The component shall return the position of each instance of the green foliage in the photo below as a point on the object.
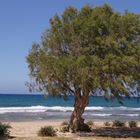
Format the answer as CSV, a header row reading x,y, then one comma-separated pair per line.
x,y
64,128
132,124
47,131
90,123
118,123
92,49
4,130
107,124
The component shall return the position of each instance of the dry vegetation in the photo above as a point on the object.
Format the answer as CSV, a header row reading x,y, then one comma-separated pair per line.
x,y
99,132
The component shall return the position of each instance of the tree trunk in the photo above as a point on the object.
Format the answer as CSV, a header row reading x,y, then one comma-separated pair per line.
x,y
76,121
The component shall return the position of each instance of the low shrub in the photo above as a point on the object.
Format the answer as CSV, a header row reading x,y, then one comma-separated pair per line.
x,y
90,123
118,123
132,124
4,130
64,128
47,131
64,123
107,124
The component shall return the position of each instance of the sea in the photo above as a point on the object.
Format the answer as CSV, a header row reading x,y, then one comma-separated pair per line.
x,y
18,107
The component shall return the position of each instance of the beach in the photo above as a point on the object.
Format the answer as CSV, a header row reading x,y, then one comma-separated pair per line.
x,y
70,70
28,113
28,131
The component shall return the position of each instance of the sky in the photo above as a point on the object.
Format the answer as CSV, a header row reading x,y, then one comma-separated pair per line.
x,y
22,22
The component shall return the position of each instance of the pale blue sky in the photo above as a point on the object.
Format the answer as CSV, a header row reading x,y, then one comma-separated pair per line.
x,y
22,22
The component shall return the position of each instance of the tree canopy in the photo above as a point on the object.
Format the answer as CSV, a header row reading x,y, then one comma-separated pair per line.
x,y
94,48
88,50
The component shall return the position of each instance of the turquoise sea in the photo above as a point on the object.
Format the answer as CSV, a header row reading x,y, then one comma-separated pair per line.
x,y
17,107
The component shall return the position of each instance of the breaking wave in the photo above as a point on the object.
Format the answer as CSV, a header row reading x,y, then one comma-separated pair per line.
x,y
65,109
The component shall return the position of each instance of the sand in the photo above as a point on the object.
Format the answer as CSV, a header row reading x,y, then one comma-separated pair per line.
x,y
28,131
24,130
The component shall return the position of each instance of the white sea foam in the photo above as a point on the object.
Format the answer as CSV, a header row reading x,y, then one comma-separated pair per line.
x,y
124,108
94,108
129,115
62,109
42,109
34,109
101,115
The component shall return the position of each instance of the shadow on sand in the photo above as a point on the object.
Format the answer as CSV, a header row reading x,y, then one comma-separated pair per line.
x,y
113,132
7,138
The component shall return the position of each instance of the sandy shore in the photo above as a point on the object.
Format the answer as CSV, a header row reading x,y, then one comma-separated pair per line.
x,y
28,131
24,130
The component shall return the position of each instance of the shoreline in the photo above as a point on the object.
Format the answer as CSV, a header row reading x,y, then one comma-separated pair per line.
x,y
67,119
